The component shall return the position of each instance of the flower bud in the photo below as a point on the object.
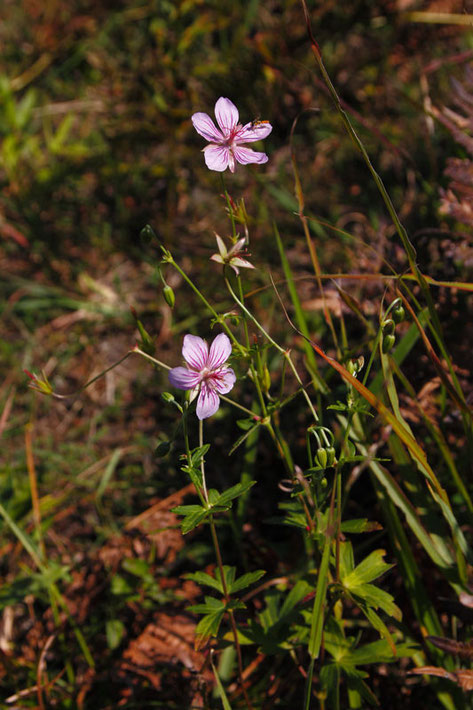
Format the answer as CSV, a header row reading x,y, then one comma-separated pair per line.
x,y
266,379
388,342
147,234
321,457
330,455
399,314
169,296
388,326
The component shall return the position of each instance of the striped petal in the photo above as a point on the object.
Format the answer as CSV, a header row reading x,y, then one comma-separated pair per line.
x,y
204,125
223,380
226,114
195,352
208,402
220,351
251,132
183,379
246,155
216,157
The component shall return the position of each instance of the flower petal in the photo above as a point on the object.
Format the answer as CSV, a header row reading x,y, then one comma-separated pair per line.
x,y
220,351
195,352
208,402
226,114
238,246
238,261
250,132
223,380
216,157
204,125
246,155
183,379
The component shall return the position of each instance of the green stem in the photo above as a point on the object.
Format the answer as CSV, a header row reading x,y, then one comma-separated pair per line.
x,y
218,554
202,464
212,310
308,684
284,353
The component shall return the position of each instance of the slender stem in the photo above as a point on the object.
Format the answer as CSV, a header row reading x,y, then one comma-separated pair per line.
x,y
202,463
149,357
207,304
308,684
285,353
34,488
226,594
97,377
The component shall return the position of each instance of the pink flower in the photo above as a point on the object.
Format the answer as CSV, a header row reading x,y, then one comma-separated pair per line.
x,y
205,373
226,142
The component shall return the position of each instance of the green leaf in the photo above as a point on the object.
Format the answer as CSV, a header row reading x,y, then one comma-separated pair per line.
x,y
206,580
221,689
188,509
379,599
347,560
114,631
355,682
360,525
211,606
209,625
317,622
300,590
246,580
370,568
140,568
120,586
193,520
195,474
233,492
198,454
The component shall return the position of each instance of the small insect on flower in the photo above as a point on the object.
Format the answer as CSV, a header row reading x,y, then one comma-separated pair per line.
x,y
257,122
226,143
205,374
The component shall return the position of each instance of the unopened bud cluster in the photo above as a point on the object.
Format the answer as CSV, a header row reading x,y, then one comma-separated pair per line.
x,y
395,314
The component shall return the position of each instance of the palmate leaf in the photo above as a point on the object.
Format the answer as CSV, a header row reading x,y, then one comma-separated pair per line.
x,y
233,585
193,516
218,503
370,568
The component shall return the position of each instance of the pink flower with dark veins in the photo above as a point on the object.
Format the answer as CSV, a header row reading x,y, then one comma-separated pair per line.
x,y
226,143
205,373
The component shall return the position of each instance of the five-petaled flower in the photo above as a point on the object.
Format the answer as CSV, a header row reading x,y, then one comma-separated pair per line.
x,y
205,373
233,256
226,143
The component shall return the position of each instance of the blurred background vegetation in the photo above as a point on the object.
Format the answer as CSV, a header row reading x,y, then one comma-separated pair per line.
x,y
96,141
